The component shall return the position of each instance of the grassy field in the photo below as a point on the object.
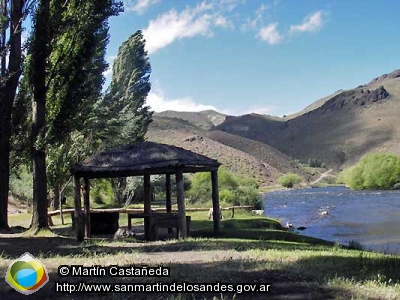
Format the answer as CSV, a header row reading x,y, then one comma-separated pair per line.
x,y
250,250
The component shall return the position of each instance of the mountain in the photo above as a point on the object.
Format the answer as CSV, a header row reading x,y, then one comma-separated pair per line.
x,y
337,129
262,152
237,154
206,119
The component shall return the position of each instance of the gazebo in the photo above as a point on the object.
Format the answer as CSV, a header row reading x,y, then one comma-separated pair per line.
x,y
143,159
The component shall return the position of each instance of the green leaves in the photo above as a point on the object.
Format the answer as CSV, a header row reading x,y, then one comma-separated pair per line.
x,y
233,189
373,171
126,118
289,180
75,69
74,66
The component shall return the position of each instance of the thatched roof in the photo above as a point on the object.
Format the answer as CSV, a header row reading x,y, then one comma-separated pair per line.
x,y
144,157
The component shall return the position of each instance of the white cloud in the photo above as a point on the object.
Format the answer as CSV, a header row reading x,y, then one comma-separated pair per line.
x,y
230,5
110,61
223,22
158,103
108,72
311,23
262,110
252,24
275,3
192,21
270,34
138,6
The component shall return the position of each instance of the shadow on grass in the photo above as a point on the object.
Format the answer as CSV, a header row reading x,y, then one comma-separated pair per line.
x,y
292,276
283,284
14,247
361,266
239,235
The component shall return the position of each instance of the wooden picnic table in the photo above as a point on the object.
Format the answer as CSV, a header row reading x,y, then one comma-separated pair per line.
x,y
154,220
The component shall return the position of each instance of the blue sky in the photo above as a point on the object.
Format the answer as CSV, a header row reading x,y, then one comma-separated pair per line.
x,y
270,57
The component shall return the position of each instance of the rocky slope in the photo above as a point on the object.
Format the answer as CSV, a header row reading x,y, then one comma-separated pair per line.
x,y
338,131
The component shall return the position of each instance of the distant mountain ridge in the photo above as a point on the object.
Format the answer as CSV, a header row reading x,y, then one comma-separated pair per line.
x,y
177,132
337,130
206,119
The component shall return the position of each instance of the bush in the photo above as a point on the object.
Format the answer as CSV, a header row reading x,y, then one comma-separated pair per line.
x,y
259,204
101,192
233,190
315,163
226,196
21,184
246,195
158,183
373,171
289,179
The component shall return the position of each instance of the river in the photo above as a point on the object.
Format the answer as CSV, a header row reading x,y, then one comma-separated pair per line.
x,y
371,218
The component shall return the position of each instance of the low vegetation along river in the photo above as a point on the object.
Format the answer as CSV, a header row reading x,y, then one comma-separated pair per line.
x,y
371,218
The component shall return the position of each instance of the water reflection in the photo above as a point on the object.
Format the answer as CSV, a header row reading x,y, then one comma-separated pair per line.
x,y
371,218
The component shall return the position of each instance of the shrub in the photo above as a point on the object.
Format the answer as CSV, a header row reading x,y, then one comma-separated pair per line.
x,y
21,184
289,179
158,183
246,195
373,171
200,190
315,163
354,245
226,196
233,190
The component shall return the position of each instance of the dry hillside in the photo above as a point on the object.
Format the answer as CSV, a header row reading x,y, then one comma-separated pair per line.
x,y
237,154
232,159
339,130
262,152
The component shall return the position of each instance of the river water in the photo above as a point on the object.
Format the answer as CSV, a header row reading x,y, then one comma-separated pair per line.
x,y
371,218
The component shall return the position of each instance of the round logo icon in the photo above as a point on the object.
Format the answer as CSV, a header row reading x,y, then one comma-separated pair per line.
x,y
27,275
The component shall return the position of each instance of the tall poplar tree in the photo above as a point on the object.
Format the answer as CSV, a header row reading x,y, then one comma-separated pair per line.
x,y
124,114
65,76
10,17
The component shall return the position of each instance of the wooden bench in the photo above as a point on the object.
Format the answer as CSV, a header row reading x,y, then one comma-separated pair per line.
x,y
69,211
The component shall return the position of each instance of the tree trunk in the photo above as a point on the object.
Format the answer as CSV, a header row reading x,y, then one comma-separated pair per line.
x,y
8,88
39,58
3,41
180,195
55,202
119,185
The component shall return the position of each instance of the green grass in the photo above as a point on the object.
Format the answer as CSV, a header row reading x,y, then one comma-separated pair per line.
x,y
250,249
341,273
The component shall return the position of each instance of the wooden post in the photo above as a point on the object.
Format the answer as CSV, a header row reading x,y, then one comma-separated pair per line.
x,y
168,204
147,206
79,226
86,201
60,206
61,201
181,203
215,199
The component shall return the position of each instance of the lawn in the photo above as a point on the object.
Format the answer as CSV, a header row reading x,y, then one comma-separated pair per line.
x,y
250,250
